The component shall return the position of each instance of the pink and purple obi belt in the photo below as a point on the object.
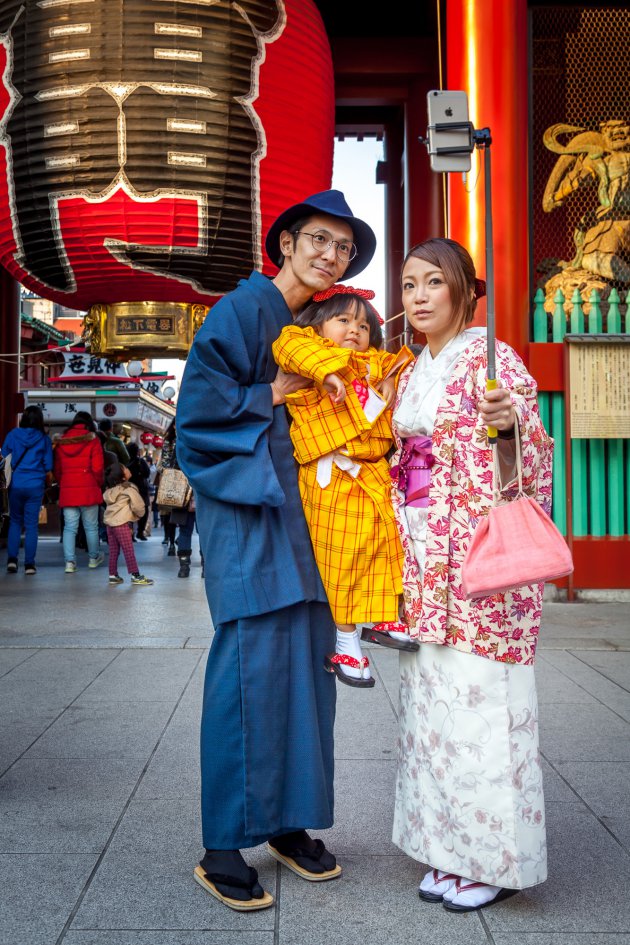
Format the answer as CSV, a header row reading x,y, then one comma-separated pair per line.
x,y
412,475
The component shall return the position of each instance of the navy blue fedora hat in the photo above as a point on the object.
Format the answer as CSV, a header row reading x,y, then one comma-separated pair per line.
x,y
334,203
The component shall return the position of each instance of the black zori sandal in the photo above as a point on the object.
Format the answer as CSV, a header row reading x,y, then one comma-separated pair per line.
x,y
227,877
379,633
333,664
306,857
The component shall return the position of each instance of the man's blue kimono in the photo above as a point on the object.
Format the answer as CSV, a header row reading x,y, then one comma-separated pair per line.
x,y
269,705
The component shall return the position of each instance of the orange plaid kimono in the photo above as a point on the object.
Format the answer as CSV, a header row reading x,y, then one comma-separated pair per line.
x,y
350,519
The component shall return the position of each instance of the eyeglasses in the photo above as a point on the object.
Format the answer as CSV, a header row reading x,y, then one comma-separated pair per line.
x,y
346,250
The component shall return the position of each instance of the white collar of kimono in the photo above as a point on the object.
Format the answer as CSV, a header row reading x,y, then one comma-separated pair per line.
x,y
418,407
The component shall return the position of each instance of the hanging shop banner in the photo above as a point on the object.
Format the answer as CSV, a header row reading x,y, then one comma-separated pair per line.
x,y
88,368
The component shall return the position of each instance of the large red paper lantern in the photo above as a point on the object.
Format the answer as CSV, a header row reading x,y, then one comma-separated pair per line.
x,y
146,437
147,145
158,441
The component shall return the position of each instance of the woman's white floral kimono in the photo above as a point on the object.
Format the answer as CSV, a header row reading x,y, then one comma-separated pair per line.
x,y
469,796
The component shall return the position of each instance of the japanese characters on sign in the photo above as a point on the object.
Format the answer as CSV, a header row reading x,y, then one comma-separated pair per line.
x,y
86,365
136,325
599,395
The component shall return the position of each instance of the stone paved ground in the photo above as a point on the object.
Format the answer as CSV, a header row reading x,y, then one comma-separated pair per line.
x,y
100,693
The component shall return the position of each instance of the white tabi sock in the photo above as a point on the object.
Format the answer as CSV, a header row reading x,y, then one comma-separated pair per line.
x,y
435,882
349,644
460,895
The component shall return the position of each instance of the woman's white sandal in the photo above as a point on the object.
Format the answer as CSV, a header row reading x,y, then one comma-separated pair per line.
x,y
431,892
460,891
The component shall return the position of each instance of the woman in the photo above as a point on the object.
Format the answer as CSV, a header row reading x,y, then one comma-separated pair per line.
x,y
185,517
469,798
79,470
31,459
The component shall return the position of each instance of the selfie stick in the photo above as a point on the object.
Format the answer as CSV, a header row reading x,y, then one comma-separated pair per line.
x,y
483,141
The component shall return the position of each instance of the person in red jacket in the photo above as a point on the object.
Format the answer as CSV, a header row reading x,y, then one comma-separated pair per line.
x,y
78,468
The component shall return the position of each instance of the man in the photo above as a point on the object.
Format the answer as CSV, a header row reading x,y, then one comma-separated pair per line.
x,y
269,706
112,442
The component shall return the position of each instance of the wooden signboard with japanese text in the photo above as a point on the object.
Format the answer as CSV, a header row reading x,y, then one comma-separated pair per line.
x,y
599,386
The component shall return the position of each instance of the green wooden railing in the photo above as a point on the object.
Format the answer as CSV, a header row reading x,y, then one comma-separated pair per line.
x,y
600,468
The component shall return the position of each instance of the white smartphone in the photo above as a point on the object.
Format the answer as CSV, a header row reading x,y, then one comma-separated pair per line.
x,y
445,108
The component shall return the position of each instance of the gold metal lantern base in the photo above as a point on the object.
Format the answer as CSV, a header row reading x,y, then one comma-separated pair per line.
x,y
142,329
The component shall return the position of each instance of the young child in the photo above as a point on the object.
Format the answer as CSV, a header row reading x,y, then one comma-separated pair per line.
x,y
341,433
124,505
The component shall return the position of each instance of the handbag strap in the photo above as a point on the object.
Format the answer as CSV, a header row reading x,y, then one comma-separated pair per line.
x,y
13,468
496,473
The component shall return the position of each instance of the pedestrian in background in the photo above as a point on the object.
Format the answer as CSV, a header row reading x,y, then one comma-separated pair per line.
x,y
110,458
31,459
79,470
168,460
139,475
187,524
184,518
153,471
124,505
113,442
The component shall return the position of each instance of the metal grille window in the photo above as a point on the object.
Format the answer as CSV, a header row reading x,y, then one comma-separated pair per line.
x,y
580,154
580,151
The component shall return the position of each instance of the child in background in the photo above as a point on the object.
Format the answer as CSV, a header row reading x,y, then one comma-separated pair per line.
x,y
341,432
124,505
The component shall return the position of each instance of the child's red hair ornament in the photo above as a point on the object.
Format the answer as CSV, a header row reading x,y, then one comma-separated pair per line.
x,y
366,294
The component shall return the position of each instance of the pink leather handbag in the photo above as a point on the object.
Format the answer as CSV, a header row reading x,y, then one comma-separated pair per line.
x,y
516,544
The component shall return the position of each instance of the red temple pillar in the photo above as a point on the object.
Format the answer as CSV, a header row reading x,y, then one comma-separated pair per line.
x,y
11,403
486,42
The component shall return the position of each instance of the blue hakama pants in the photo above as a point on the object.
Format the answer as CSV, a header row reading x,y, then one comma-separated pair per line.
x,y
267,727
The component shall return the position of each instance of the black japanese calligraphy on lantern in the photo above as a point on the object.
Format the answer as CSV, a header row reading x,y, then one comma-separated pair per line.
x,y
163,111
131,325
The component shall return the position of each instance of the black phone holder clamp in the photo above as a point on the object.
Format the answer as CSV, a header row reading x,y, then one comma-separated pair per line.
x,y
477,137
451,127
